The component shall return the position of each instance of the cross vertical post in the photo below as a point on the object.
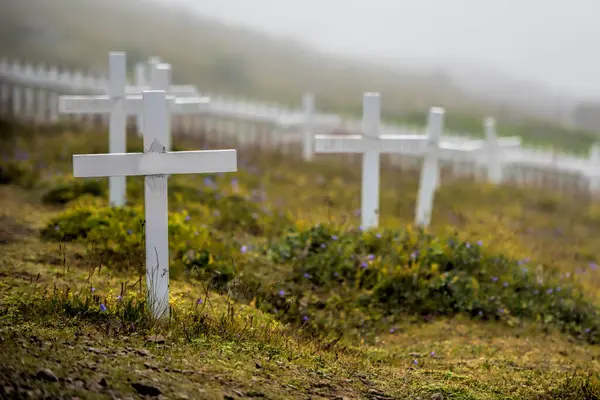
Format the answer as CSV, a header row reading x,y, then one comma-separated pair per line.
x,y
156,132
160,79
140,80
308,105
370,170
494,170
118,122
430,173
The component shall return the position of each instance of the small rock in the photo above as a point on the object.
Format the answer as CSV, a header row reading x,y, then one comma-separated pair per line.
x,y
143,352
46,375
238,393
258,366
150,366
158,339
437,396
146,390
95,350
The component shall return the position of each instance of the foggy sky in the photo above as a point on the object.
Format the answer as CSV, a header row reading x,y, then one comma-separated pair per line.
x,y
554,42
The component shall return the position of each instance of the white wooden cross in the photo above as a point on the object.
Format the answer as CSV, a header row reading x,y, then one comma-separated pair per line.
x,y
496,149
371,144
155,163
146,75
119,106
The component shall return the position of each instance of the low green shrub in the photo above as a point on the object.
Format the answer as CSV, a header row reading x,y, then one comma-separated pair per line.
x,y
412,272
18,172
117,234
67,190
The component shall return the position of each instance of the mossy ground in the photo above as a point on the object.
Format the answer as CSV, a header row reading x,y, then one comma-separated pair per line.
x,y
239,350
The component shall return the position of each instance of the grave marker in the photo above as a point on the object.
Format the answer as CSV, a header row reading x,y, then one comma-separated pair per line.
x,y
155,163
119,105
146,79
371,144
496,149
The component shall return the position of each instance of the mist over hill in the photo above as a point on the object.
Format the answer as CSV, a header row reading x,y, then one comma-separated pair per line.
x,y
226,55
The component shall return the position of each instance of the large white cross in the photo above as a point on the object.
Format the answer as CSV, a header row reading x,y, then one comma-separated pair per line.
x,y
371,144
155,163
119,106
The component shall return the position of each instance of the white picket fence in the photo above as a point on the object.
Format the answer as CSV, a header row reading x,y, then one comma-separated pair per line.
x,y
30,92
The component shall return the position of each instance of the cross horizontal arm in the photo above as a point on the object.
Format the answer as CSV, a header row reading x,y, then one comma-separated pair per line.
x,y
132,104
404,144
135,164
299,119
174,90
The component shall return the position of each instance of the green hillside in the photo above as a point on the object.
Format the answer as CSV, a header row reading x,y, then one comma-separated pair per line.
x,y
275,292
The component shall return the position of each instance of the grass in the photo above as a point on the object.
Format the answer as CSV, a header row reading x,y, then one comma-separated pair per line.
x,y
236,244
227,60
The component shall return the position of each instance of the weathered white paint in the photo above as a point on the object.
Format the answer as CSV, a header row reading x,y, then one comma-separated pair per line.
x,y
308,106
430,172
155,164
496,150
370,169
117,135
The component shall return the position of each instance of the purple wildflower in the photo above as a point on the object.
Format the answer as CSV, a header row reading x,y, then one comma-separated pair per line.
x,y
364,264
199,301
119,297
334,237
371,257
307,275
480,242
494,278
415,362
305,319
432,353
244,249
593,266
505,284
103,308
282,292
187,218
